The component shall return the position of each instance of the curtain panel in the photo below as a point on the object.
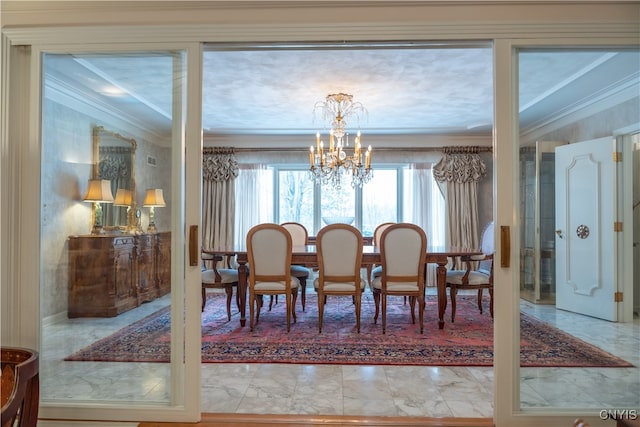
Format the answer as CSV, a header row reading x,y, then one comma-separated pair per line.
x,y
424,209
219,172
255,209
460,170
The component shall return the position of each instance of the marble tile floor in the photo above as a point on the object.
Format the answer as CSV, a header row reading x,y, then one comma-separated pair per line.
x,y
343,390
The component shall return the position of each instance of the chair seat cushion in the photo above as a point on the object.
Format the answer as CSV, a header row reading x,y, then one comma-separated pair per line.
x,y
376,284
338,286
276,286
227,275
376,272
300,271
475,277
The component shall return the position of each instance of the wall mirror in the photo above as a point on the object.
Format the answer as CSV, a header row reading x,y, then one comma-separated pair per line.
x,y
114,160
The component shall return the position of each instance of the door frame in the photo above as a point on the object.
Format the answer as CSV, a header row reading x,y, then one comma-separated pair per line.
x,y
505,148
27,127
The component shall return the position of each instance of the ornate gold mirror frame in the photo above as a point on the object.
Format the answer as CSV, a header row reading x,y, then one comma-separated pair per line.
x,y
114,158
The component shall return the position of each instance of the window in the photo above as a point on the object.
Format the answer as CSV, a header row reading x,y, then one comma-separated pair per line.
x,y
391,196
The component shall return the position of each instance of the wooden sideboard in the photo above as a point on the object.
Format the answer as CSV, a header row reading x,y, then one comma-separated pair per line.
x,y
110,274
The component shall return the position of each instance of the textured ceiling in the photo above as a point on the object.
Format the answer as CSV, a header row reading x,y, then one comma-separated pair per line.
x,y
406,89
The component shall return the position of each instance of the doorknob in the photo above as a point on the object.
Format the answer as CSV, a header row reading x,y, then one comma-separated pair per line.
x,y
559,233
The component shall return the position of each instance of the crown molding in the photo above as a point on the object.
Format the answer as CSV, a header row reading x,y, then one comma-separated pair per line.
x,y
598,102
83,102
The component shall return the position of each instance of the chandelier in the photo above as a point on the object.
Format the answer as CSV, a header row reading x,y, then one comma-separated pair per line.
x,y
329,165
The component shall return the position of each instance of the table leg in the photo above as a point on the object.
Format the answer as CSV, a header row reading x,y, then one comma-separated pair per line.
x,y
441,275
242,292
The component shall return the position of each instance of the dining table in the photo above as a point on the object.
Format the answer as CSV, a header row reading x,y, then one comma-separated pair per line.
x,y
371,255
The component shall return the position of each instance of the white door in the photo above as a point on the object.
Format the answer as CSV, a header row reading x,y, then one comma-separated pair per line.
x,y
585,237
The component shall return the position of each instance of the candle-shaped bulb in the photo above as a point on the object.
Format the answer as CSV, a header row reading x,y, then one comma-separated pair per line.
x,y
311,157
318,141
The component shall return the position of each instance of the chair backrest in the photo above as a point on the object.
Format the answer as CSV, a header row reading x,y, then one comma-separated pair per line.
x,y
403,248
339,248
377,233
269,253
488,248
299,234
20,387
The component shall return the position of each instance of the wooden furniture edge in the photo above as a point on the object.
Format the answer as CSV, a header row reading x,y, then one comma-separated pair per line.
x,y
235,420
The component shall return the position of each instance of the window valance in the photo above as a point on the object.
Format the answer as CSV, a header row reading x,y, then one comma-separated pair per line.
x,y
460,164
219,164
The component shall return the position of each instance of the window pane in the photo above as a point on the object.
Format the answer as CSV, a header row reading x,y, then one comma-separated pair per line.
x,y
379,200
337,205
295,198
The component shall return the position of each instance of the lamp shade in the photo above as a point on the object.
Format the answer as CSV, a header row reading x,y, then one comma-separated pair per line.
x,y
99,190
123,197
154,198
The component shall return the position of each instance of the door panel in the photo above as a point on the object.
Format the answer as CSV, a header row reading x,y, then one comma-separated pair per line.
x,y
585,240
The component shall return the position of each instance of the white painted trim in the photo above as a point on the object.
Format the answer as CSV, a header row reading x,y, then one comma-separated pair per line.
x,y
607,33
505,153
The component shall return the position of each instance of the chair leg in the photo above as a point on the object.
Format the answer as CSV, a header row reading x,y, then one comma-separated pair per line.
x,y
303,293
293,305
229,291
321,303
204,297
287,298
421,305
491,301
259,304
453,291
480,300
376,299
252,309
384,313
358,297
412,302
271,299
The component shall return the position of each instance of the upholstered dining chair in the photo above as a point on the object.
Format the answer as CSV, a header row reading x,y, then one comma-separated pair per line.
x,y
339,249
374,271
479,279
218,278
403,249
299,237
269,255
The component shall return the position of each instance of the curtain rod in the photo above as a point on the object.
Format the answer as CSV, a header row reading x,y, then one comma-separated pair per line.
x,y
451,149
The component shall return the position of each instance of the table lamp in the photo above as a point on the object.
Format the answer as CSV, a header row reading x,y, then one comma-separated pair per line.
x,y
98,191
153,199
124,198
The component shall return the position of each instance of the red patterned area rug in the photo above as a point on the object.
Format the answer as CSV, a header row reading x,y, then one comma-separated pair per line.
x,y
467,342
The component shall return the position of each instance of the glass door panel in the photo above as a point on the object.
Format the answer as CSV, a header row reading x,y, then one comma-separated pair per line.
x,y
108,200
601,386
